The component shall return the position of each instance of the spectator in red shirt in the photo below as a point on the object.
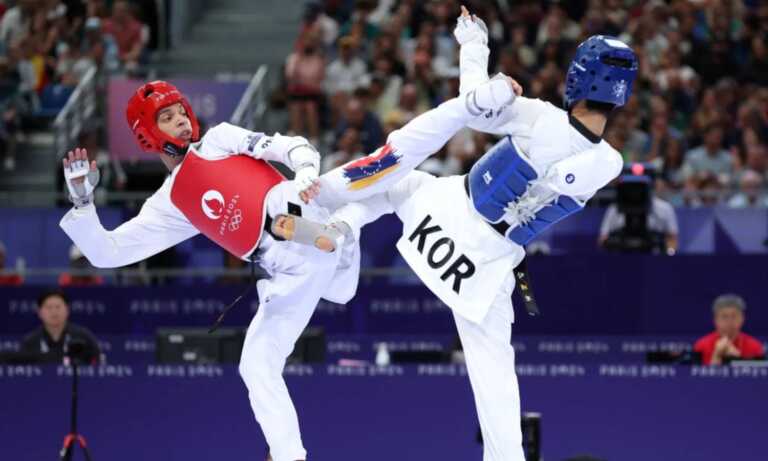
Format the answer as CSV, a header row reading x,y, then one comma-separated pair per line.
x,y
81,269
727,342
8,278
127,32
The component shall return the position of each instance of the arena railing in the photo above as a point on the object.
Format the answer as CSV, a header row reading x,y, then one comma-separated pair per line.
x,y
80,107
135,273
252,107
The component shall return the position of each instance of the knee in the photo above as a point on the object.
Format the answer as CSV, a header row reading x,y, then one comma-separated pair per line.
x,y
258,363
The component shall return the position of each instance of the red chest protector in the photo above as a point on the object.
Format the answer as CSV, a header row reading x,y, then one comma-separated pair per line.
x,y
225,199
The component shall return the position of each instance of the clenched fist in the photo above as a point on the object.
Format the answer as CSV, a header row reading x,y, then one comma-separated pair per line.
x,y
470,28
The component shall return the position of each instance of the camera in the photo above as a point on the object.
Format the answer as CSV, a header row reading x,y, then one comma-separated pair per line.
x,y
634,200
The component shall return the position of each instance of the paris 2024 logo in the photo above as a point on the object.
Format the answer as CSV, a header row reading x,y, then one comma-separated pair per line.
x,y
214,207
213,204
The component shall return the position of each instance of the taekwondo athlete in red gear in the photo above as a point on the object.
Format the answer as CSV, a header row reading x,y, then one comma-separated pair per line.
x,y
221,185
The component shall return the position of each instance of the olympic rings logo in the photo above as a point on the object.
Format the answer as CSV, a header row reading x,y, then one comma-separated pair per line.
x,y
235,220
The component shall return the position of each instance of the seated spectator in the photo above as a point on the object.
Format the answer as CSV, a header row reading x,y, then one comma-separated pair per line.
x,y
101,48
56,335
662,137
749,126
757,64
546,83
357,116
625,126
358,25
81,271
670,165
757,159
128,32
438,164
16,23
750,193
347,72
555,25
464,149
524,53
385,87
673,74
317,21
8,277
704,189
10,117
408,107
728,342
422,71
714,59
30,64
72,65
709,157
350,148
708,112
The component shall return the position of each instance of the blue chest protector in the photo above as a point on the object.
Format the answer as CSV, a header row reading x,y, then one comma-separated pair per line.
x,y
499,179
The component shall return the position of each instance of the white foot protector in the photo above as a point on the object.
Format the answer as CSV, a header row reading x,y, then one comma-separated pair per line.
x,y
324,237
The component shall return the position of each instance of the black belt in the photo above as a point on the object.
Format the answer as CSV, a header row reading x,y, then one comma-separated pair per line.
x,y
522,277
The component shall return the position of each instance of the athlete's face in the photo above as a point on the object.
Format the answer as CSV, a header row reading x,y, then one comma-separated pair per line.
x,y
174,121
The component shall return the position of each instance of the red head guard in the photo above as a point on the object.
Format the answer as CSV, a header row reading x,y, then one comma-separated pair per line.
x,y
142,118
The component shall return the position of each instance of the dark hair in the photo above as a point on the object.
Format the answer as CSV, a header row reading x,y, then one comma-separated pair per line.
x,y
49,293
714,125
604,108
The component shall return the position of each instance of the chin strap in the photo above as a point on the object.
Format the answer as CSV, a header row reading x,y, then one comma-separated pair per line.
x,y
174,150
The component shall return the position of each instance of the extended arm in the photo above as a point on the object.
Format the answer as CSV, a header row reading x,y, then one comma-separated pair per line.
x,y
293,151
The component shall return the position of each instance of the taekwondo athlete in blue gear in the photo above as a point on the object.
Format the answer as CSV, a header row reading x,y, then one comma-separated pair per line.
x,y
464,235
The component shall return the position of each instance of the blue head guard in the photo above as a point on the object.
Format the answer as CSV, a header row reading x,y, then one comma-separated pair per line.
x,y
603,69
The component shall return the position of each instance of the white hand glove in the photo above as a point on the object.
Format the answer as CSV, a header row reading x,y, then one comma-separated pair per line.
x,y
305,161
470,29
81,180
306,177
492,95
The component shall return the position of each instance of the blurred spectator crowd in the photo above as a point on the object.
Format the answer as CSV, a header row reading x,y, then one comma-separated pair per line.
x,y
363,68
48,46
699,114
